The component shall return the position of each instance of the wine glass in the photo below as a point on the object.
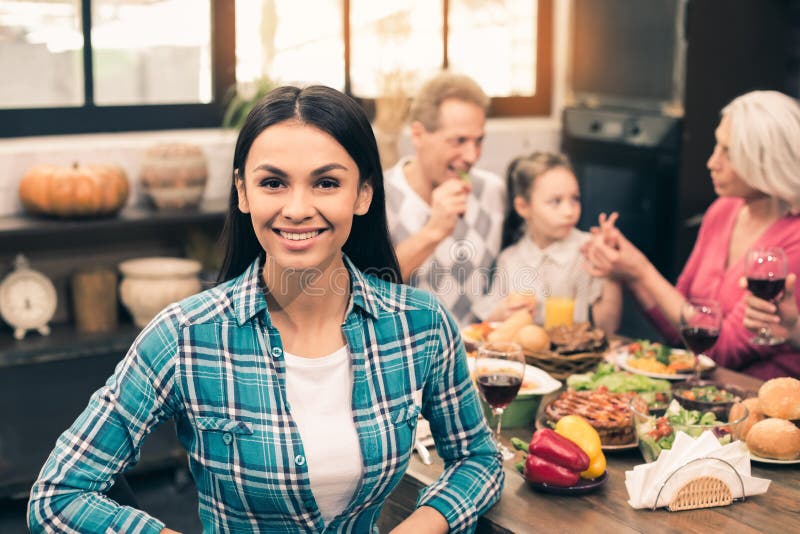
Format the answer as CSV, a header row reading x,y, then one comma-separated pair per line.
x,y
701,320
766,270
499,371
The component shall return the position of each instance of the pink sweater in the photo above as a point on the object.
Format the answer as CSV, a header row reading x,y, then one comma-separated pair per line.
x,y
706,276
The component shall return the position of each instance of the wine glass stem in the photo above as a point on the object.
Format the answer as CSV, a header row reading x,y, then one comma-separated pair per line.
x,y
498,413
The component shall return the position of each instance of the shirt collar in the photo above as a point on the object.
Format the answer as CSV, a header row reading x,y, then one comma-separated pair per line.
x,y
248,292
561,252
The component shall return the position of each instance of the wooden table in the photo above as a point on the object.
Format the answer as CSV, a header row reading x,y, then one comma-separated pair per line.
x,y
523,510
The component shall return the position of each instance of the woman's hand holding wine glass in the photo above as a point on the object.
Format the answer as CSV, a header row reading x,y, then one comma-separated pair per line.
x,y
766,270
701,320
499,372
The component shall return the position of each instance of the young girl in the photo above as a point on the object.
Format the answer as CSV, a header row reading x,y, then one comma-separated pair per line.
x,y
293,382
541,245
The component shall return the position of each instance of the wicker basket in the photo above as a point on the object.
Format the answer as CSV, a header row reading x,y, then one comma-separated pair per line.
x,y
703,492
560,366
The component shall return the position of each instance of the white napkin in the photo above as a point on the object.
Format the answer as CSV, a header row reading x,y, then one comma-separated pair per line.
x,y
688,459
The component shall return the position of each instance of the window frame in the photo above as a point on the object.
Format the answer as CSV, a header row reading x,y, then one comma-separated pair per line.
x,y
538,105
90,118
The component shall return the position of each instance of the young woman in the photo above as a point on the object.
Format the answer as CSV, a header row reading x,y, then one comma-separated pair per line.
x,y
541,247
293,383
755,169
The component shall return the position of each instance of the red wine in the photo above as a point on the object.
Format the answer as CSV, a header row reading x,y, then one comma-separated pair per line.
x,y
699,339
499,390
765,288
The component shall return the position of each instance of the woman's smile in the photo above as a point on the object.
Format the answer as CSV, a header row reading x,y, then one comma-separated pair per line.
x,y
299,239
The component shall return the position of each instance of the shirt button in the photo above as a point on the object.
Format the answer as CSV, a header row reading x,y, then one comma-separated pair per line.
x,y
308,503
277,352
227,437
300,459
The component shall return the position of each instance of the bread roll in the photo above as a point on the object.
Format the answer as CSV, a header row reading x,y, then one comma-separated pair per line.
x,y
754,415
780,397
506,330
532,338
774,438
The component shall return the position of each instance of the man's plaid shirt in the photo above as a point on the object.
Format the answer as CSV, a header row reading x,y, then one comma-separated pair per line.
x,y
214,363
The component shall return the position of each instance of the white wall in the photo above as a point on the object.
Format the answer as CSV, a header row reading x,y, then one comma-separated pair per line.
x,y
505,139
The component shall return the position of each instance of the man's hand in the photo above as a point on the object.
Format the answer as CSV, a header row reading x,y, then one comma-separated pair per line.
x,y
448,203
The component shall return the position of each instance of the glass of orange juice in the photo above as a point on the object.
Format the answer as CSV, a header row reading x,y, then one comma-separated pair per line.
x,y
559,309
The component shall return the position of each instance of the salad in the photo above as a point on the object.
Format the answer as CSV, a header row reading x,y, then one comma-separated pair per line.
x,y
711,394
658,433
655,392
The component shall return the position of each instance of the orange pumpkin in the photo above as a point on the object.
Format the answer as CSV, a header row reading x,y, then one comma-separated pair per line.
x,y
76,191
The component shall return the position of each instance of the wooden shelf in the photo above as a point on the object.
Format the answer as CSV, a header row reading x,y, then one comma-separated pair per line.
x,y
64,343
26,226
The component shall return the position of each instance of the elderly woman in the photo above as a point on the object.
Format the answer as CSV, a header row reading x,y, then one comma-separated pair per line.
x,y
755,169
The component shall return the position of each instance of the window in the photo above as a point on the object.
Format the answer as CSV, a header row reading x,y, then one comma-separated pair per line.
x,y
505,45
111,65
114,65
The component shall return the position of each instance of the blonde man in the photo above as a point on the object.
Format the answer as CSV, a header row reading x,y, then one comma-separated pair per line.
x,y
445,216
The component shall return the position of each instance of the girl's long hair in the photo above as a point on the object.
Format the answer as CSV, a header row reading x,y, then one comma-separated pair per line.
x,y
520,176
336,114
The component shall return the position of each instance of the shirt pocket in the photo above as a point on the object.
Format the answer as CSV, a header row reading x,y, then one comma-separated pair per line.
x,y
403,420
215,447
233,454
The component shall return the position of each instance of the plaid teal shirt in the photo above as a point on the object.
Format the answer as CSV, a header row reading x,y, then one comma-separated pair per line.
x,y
214,363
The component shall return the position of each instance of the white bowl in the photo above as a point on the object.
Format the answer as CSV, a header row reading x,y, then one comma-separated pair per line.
x,y
150,284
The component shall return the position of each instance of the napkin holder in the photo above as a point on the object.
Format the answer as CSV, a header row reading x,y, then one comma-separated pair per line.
x,y
703,491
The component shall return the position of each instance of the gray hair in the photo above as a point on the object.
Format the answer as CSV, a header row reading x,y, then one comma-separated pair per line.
x,y
445,85
765,143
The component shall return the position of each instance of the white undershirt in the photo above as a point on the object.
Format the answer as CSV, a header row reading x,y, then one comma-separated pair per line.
x,y
319,391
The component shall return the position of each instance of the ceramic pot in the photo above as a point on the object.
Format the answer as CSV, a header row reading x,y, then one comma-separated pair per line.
x,y
174,175
150,284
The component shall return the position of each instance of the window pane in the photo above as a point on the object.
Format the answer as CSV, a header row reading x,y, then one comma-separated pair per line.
x,y
390,36
151,52
495,43
41,54
290,41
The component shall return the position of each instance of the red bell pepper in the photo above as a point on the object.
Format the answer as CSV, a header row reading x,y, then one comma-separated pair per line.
x,y
542,471
555,448
554,460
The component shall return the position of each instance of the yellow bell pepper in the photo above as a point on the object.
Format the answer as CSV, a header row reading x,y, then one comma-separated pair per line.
x,y
596,468
577,429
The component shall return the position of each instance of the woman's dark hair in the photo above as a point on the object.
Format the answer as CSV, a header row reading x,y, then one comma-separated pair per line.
x,y
336,114
521,173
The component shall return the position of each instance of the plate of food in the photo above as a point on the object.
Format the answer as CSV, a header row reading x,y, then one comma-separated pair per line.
x,y
607,412
706,396
655,360
543,422
655,391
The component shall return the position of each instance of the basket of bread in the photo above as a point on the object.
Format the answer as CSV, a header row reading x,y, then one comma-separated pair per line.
x,y
772,428
560,351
